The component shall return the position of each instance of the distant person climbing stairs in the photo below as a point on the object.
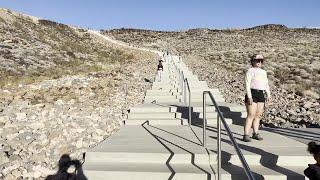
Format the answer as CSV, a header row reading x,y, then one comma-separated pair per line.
x,y
160,70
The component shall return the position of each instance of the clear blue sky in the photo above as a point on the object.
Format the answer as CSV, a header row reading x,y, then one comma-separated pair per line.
x,y
172,14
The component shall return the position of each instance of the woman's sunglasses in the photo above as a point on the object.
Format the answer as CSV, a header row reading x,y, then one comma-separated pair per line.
x,y
258,60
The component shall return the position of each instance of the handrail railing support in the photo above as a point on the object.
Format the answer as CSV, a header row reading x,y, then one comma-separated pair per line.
x,y
204,140
220,119
190,115
219,146
186,84
184,89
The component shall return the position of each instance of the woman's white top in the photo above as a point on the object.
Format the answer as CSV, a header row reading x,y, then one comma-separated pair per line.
x,y
256,78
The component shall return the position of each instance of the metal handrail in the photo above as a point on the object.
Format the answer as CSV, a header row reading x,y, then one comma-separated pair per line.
x,y
186,84
182,81
233,141
180,73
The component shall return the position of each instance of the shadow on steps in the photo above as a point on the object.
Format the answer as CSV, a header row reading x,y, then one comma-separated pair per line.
x,y
302,135
268,161
161,140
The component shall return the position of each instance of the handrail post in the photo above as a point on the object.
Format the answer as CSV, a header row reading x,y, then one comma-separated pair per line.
x,y
229,132
185,92
189,106
180,79
184,88
219,146
204,120
189,91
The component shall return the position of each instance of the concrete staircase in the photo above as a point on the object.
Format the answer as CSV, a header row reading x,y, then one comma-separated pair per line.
x,y
156,141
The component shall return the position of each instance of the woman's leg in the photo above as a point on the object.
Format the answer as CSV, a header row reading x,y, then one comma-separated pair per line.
x,y
251,111
257,117
159,75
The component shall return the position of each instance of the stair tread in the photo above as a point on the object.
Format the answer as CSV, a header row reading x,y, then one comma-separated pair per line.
x,y
149,167
266,171
178,139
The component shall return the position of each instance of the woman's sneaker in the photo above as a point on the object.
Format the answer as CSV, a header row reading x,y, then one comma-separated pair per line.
x,y
246,138
257,136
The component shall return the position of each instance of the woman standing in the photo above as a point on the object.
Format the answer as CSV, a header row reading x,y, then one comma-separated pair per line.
x,y
258,92
160,70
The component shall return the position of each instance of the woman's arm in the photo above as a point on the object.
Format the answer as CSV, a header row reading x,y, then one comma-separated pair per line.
x,y
248,79
268,88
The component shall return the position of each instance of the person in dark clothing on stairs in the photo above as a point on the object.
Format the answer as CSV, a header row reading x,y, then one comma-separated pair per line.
x,y
160,70
313,171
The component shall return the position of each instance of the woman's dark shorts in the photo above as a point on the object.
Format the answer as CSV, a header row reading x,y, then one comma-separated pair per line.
x,y
257,96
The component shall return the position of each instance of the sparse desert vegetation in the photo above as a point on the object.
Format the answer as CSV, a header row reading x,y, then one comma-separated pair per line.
x,y
32,50
292,60
62,90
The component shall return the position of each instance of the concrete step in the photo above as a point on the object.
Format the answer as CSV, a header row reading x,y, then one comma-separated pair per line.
x,y
211,115
157,91
146,171
213,121
167,89
235,115
275,150
169,86
152,108
165,83
170,97
200,99
197,104
283,160
231,118
164,101
197,107
151,144
154,115
161,93
232,107
197,91
212,90
163,122
200,95
229,172
209,102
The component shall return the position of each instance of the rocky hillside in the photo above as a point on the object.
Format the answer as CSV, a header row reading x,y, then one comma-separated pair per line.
x,y
221,57
62,90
